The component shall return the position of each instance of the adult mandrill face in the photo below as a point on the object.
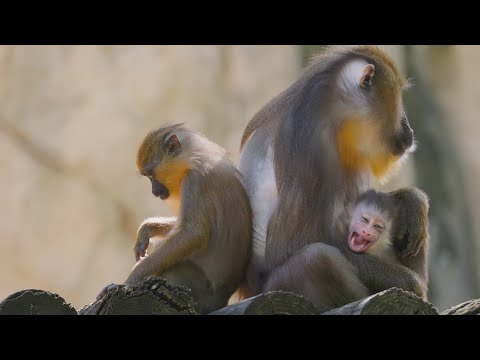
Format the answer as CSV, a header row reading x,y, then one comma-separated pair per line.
x,y
403,140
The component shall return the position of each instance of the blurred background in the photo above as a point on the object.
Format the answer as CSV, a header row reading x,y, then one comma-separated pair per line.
x,y
71,118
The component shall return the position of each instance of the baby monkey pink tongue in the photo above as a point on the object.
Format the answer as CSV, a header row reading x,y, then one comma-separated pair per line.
x,y
357,243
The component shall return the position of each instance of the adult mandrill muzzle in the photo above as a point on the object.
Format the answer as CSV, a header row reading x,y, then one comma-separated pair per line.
x,y
404,140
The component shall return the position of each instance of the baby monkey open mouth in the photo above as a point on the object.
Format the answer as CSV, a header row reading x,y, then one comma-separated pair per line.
x,y
358,243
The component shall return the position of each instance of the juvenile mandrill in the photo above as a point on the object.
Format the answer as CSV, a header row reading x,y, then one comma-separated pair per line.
x,y
207,246
308,154
371,232
371,225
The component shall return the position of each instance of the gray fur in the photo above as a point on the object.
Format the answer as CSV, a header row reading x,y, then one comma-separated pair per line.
x,y
387,205
324,276
314,192
382,201
209,246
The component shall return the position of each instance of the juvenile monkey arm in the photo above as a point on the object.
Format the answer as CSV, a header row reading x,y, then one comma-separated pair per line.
x,y
156,226
412,221
176,248
191,233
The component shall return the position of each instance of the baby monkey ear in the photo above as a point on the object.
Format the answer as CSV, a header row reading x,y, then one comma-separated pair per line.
x,y
367,75
173,144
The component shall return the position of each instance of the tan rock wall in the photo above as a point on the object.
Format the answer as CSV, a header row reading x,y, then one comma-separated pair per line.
x,y
71,118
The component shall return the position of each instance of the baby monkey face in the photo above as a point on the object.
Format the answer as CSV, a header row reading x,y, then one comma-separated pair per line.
x,y
368,227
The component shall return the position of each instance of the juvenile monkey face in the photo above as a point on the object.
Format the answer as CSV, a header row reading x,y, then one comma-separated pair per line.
x,y
367,228
158,187
159,159
159,190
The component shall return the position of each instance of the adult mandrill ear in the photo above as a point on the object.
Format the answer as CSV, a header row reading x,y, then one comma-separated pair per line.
x,y
367,75
173,144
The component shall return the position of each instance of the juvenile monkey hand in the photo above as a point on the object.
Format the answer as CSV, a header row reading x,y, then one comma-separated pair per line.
x,y
151,227
411,229
140,248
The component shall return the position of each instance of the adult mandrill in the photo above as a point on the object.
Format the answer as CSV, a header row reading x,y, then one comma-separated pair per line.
x,y
307,155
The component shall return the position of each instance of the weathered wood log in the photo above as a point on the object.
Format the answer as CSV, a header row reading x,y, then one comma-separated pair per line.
x,y
471,307
154,296
393,301
272,303
35,302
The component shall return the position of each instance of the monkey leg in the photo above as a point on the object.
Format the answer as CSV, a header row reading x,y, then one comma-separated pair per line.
x,y
320,273
378,275
192,276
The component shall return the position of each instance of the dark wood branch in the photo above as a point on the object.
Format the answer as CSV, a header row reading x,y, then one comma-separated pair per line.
x,y
272,303
389,302
35,302
471,307
154,296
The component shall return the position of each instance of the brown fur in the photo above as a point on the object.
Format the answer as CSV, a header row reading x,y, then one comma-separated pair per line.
x,y
411,256
207,247
329,137
390,76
